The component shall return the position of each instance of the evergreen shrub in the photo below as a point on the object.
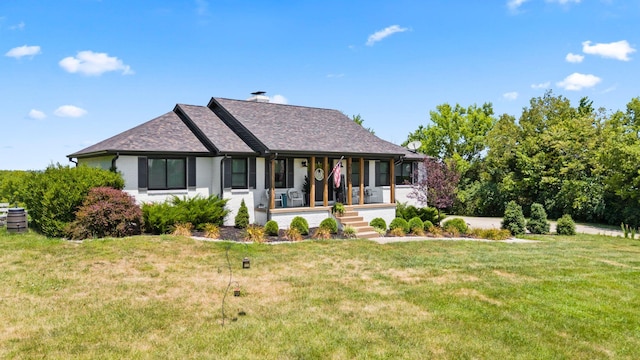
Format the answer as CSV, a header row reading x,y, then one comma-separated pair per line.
x,y
538,223
514,220
299,223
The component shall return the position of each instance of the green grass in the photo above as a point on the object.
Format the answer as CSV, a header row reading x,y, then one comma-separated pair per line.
x,y
160,297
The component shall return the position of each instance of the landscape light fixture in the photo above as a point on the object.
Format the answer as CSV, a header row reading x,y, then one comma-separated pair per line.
x,y
246,263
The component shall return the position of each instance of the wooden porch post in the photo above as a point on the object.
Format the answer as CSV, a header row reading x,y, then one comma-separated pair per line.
x,y
361,181
272,186
312,183
348,194
325,192
392,180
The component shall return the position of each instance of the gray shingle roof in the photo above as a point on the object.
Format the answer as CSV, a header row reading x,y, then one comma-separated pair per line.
x,y
166,133
219,134
246,127
288,128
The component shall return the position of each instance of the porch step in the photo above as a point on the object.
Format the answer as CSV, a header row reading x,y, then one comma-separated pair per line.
x,y
353,219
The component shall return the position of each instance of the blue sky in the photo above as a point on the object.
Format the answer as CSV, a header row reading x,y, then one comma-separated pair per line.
x,y
75,72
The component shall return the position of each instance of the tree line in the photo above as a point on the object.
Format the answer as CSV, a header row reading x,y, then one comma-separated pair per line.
x,y
575,160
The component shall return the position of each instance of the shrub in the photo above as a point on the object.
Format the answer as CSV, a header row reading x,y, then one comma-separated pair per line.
x,y
379,223
106,212
200,210
415,224
299,223
430,214
212,231
513,220
455,225
538,223
491,234
565,225
182,229
14,186
349,232
399,223
406,211
54,195
435,231
381,232
292,234
427,225
271,228
159,218
330,224
242,217
398,232
322,233
254,233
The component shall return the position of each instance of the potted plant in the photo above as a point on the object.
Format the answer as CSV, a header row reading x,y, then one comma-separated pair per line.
x,y
338,209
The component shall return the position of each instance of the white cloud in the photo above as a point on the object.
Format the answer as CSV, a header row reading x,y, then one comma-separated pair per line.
x,y
577,81
70,111
574,58
94,64
544,85
24,50
510,95
19,26
381,34
514,5
618,50
279,99
37,114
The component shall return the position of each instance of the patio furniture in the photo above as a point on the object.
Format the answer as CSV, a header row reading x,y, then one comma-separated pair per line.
x,y
295,197
277,199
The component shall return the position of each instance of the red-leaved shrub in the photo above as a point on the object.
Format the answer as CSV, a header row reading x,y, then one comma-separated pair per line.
x,y
106,212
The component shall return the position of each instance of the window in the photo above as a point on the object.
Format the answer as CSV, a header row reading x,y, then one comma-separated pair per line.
x,y
239,174
355,173
382,173
280,173
404,173
167,173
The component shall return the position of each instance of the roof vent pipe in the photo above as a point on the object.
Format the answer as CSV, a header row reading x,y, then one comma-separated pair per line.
x,y
259,96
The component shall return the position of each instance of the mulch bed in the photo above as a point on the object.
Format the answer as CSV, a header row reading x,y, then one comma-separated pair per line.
x,y
233,234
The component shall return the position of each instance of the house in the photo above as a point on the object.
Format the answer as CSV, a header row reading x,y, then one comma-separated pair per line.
x,y
276,157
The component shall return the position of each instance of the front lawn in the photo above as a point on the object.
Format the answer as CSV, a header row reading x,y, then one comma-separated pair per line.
x,y
161,297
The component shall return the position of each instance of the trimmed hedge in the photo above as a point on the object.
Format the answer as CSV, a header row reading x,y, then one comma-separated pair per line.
x,y
565,225
271,228
399,223
300,224
379,223
330,224
457,224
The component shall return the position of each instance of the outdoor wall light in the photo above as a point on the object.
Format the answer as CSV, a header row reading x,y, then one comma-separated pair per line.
x,y
304,163
246,263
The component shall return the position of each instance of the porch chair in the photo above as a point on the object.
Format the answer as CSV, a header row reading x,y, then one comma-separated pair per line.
x,y
294,197
277,198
